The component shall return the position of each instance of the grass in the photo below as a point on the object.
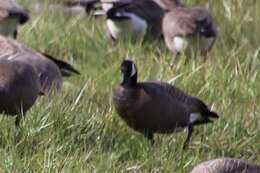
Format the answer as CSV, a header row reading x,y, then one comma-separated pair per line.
x,y
79,131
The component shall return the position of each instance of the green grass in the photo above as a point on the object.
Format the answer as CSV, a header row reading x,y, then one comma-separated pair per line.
x,y
79,130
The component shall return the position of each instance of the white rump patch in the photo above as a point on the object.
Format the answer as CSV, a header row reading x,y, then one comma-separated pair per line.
x,y
135,27
180,43
195,117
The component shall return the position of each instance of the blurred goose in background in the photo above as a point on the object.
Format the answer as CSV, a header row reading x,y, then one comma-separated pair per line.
x,y
69,8
19,87
157,107
226,165
191,28
134,19
49,69
11,16
87,5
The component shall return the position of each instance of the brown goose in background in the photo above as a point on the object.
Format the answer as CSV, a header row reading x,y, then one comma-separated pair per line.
x,y
157,107
134,19
49,69
69,8
87,5
11,16
19,88
189,27
226,165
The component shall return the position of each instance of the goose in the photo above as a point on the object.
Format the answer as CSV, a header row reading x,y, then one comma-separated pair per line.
x,y
19,88
77,5
157,107
69,8
226,165
49,69
11,16
189,28
134,19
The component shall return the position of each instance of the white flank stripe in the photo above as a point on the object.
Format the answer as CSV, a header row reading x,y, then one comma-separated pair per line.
x,y
195,117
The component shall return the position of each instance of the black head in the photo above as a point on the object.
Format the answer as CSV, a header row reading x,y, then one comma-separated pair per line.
x,y
129,73
117,12
206,28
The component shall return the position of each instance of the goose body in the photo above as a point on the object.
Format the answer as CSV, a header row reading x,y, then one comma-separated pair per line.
x,y
19,88
189,28
49,69
11,16
226,165
134,19
157,107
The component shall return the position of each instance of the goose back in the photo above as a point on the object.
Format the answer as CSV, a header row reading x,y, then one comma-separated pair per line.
x,y
194,24
226,165
49,73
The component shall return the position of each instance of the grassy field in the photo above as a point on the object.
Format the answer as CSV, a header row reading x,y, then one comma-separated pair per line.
x,y
79,130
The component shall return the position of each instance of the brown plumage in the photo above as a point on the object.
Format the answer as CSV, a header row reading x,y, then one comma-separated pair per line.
x,y
11,16
19,88
49,69
136,18
189,27
226,165
157,107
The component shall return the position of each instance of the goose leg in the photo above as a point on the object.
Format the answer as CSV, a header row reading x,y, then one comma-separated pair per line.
x,y
150,137
18,120
15,34
187,141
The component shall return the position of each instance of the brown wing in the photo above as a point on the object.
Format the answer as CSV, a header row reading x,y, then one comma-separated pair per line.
x,y
226,165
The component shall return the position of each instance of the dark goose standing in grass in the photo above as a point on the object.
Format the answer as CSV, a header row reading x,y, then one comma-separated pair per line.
x,y
11,16
191,28
49,69
226,165
19,88
157,107
134,19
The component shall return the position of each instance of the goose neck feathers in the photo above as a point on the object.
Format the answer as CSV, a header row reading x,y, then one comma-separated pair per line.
x,y
128,73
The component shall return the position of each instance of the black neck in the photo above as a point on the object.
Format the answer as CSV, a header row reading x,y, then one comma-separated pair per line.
x,y
129,82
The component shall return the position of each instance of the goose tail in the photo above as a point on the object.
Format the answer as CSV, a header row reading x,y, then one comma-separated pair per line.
x,y
66,69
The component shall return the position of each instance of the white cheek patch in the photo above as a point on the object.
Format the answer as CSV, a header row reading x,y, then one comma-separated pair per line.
x,y
195,117
133,70
180,44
